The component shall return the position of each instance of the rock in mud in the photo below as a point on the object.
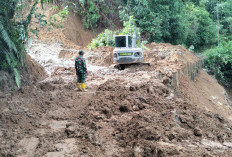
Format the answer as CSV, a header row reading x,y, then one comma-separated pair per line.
x,y
132,88
135,108
197,132
166,80
46,86
69,130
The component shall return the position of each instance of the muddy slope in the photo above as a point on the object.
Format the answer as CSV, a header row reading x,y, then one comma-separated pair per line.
x,y
119,118
145,120
30,73
134,112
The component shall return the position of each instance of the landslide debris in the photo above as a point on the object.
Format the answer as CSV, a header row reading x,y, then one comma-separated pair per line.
x,y
143,120
133,112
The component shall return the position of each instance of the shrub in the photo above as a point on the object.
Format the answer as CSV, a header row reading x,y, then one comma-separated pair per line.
x,y
219,62
104,39
107,37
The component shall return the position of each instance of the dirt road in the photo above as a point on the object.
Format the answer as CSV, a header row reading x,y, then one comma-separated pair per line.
x,y
134,112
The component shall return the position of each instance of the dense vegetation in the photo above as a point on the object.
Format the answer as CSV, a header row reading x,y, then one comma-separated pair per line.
x,y
203,25
219,62
13,34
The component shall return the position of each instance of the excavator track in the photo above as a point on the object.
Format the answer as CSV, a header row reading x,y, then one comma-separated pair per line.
x,y
124,66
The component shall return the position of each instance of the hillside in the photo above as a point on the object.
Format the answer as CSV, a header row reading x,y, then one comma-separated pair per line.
x,y
170,108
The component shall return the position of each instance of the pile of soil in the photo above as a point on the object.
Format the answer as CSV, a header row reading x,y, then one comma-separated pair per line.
x,y
118,118
65,35
7,82
36,71
31,73
166,56
163,57
102,56
143,120
36,116
75,32
71,33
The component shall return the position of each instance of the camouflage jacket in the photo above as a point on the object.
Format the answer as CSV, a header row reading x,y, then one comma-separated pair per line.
x,y
80,65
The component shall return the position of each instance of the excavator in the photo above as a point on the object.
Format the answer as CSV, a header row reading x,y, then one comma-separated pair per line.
x,y
126,51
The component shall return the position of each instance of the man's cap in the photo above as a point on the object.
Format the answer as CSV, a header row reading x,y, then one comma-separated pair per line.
x,y
81,52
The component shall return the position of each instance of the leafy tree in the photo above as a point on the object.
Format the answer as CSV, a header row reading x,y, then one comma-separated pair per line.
x,y
219,62
173,20
107,37
145,19
202,30
57,19
104,39
220,12
94,12
225,17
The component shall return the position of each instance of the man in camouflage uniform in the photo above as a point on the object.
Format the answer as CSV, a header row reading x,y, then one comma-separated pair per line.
x,y
81,71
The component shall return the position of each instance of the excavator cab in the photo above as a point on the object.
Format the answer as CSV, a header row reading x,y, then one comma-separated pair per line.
x,y
125,51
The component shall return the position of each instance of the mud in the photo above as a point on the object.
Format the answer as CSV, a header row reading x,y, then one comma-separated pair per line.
x,y
125,113
141,117
30,73
75,32
116,118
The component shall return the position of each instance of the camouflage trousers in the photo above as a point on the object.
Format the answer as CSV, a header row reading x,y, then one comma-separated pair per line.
x,y
81,78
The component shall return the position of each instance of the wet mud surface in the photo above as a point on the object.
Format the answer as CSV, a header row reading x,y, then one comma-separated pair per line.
x,y
118,118
124,113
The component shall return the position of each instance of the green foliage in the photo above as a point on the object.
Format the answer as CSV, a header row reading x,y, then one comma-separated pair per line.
x,y
17,77
130,27
96,12
189,22
46,1
91,16
202,30
89,10
172,19
107,37
9,39
145,19
219,62
13,32
55,7
225,17
220,13
57,19
104,39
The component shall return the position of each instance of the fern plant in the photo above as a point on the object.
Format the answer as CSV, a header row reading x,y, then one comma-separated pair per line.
x,y
12,35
